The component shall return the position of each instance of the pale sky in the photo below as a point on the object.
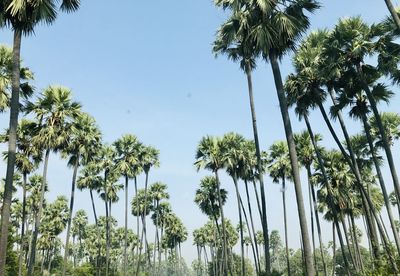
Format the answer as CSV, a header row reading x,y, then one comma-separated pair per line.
x,y
146,68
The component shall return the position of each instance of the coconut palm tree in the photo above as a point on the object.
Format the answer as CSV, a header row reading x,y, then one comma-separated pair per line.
x,y
127,164
280,170
83,143
22,17
54,110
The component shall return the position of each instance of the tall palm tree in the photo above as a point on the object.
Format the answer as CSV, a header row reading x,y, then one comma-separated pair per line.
x,y
209,155
127,164
307,157
54,110
244,52
280,170
275,27
158,192
83,143
22,17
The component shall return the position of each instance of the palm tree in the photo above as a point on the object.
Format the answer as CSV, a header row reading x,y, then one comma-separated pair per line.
x,y
22,16
209,155
280,170
79,224
82,146
244,52
275,26
127,164
307,155
158,192
54,110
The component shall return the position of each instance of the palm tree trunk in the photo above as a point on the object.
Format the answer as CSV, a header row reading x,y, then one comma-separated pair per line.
x,y
315,210
126,225
367,128
71,208
22,239
40,211
342,246
144,219
107,223
357,247
393,12
264,220
333,249
12,145
294,164
354,167
349,245
285,224
221,210
98,233
137,217
257,265
328,186
240,224
256,259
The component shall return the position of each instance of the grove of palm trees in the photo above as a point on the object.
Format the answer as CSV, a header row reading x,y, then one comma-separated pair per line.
x,y
228,137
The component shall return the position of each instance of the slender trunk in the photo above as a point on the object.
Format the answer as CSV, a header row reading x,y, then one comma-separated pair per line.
x,y
39,217
221,210
71,208
342,247
257,199
22,238
98,234
144,219
285,224
126,225
12,145
333,249
234,177
312,223
137,220
381,181
353,226
315,209
253,231
393,12
354,168
349,245
251,240
327,184
264,220
107,222
294,164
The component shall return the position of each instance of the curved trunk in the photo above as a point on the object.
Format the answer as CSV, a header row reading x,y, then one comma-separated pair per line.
x,y
12,145
126,226
39,217
22,241
240,224
71,208
393,13
367,128
285,224
264,220
294,164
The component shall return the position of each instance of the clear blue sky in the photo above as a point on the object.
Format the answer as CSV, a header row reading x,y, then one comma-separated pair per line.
x,y
146,67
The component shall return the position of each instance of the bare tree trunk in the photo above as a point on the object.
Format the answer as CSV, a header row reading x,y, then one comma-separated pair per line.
x,y
22,239
71,208
12,146
294,164
393,12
